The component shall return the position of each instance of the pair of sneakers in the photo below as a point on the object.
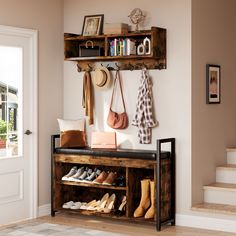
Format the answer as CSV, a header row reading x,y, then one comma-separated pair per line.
x,y
82,174
71,173
73,205
91,175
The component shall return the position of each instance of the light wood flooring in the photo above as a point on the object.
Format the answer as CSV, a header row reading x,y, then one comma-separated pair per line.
x,y
132,229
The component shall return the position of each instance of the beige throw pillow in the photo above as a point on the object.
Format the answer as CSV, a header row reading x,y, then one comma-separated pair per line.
x,y
65,125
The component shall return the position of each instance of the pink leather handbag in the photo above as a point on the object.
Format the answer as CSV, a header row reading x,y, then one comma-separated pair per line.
x,y
117,120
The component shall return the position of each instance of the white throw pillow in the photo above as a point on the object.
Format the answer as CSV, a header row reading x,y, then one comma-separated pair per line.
x,y
65,125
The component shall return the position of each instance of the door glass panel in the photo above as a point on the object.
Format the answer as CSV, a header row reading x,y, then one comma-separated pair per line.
x,y
11,65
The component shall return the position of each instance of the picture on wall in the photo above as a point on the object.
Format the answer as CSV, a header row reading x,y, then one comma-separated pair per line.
x,y
92,25
212,83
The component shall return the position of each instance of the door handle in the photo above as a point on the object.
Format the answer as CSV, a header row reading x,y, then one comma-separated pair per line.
x,y
28,132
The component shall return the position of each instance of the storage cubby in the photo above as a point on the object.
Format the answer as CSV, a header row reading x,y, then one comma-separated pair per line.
x,y
133,165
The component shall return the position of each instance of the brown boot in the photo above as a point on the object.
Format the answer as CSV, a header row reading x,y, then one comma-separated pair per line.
x,y
145,198
151,211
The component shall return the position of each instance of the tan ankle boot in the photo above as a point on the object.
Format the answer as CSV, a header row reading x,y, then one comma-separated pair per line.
x,y
151,211
145,198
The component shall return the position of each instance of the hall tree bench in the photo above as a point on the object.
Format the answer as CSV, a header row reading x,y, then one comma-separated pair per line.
x,y
134,165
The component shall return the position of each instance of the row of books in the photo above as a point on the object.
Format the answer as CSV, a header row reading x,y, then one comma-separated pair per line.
x,y
122,47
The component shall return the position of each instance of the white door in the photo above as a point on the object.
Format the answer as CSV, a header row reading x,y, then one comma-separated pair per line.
x,y
18,105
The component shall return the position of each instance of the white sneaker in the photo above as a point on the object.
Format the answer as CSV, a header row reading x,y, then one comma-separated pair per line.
x,y
68,205
79,172
76,205
71,173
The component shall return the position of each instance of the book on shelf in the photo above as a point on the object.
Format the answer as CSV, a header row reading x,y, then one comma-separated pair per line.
x,y
115,47
131,47
122,47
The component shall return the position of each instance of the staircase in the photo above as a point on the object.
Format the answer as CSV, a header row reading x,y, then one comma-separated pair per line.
x,y
220,197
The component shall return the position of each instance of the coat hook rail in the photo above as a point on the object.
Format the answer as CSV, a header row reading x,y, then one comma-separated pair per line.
x,y
114,65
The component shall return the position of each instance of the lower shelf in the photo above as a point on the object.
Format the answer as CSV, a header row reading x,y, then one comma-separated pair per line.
x,y
109,215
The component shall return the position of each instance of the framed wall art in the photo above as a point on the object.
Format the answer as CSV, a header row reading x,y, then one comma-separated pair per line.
x,y
93,25
213,81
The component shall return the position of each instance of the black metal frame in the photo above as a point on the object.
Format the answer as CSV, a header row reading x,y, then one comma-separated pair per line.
x,y
171,220
53,145
208,70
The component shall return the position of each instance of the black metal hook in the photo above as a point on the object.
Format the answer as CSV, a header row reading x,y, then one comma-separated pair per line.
x,y
79,69
90,67
144,65
159,66
131,66
118,67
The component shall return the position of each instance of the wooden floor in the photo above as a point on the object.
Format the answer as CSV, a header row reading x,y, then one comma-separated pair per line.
x,y
127,228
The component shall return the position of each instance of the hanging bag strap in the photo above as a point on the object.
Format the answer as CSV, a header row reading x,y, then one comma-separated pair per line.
x,y
121,91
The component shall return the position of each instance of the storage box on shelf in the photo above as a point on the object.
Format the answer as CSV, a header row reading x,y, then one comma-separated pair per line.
x,y
133,165
115,28
114,49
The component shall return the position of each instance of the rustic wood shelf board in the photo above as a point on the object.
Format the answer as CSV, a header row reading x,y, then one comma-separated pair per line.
x,y
90,185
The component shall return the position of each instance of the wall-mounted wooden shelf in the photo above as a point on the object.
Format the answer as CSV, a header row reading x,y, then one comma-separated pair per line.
x,y
155,60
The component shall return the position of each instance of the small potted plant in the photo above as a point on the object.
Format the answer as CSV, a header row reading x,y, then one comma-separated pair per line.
x,y
3,133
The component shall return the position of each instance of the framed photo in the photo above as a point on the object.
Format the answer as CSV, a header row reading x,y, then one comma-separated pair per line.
x,y
93,25
213,84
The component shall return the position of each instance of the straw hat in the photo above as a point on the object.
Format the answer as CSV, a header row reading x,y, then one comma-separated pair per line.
x,y
102,77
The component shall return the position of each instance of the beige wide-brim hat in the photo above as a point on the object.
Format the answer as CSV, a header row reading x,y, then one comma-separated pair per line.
x,y
102,77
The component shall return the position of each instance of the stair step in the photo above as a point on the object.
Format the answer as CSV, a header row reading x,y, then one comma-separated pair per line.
x,y
215,208
227,166
231,149
221,186
220,193
231,155
226,174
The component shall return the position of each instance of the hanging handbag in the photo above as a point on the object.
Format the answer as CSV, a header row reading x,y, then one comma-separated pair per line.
x,y
115,120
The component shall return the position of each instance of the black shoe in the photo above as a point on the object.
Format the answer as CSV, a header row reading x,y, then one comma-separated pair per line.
x,y
120,181
122,206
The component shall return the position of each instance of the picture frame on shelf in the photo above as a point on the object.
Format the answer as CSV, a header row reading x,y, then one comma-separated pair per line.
x,y
213,84
93,25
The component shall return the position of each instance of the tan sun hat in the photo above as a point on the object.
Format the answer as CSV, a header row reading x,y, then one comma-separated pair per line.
x,y
102,77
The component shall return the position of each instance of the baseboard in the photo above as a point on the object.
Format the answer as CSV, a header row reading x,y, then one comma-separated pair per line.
x,y
44,210
206,223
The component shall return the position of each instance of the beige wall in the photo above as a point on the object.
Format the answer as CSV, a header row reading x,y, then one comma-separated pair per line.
x,y
213,126
46,17
171,87
213,41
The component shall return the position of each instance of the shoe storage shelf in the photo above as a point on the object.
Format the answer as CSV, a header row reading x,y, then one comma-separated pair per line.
x,y
133,166
91,51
